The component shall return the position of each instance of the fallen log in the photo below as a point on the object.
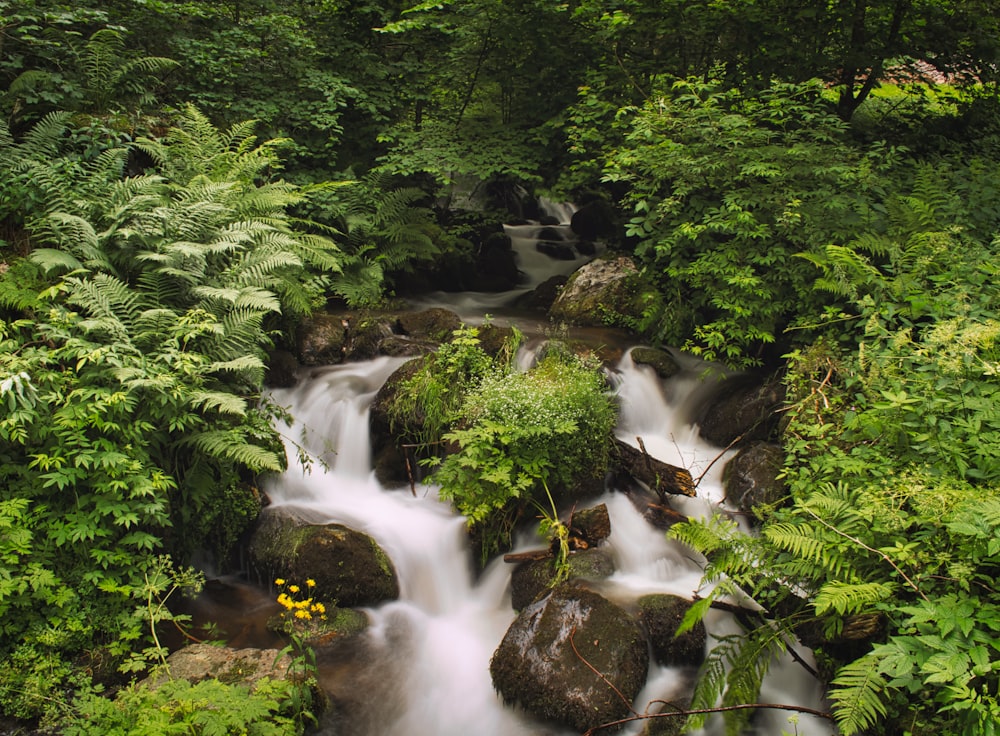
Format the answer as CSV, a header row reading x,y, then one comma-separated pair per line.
x,y
661,478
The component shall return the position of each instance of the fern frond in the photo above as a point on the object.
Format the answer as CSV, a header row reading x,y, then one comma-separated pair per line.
x,y
44,139
812,546
847,598
244,363
106,297
233,445
53,259
220,401
857,695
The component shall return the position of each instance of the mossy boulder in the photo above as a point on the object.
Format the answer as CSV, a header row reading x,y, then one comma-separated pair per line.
x,y
659,360
532,578
548,658
434,324
605,291
661,614
347,566
388,457
204,660
321,340
751,478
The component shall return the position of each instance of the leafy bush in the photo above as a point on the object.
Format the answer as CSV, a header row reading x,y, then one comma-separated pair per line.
x,y
131,384
725,188
430,401
520,433
178,706
892,441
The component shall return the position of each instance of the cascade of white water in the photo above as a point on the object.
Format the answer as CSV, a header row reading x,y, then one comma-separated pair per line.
x,y
427,667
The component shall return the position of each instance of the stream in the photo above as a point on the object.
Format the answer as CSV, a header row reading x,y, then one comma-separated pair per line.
x,y
423,665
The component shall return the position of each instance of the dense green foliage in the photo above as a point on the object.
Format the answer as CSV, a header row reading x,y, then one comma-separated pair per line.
x,y
132,360
893,451
498,438
792,210
519,433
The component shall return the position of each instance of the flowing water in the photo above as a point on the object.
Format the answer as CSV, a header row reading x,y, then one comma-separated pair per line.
x,y
423,665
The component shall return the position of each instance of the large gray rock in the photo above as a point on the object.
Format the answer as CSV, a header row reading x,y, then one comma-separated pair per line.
x,y
751,478
203,661
547,660
347,566
604,291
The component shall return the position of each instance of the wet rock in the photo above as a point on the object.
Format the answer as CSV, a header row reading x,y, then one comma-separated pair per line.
x,y
321,339
348,566
364,336
668,725
388,458
496,267
586,247
430,324
743,409
544,295
531,579
548,220
659,360
591,525
594,221
602,292
552,234
661,614
547,660
557,250
281,370
751,478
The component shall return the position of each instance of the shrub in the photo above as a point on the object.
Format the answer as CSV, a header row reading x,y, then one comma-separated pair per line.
x,y
520,433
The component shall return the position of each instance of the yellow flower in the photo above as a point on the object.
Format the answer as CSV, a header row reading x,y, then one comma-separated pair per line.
x,y
319,608
293,588
302,614
311,583
279,581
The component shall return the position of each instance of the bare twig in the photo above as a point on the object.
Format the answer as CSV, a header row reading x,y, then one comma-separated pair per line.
x,y
699,711
716,459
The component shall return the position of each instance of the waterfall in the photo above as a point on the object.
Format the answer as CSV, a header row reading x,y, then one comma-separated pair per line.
x,y
423,665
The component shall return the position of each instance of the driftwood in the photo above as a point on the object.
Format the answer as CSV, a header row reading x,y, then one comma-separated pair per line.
x,y
530,556
661,478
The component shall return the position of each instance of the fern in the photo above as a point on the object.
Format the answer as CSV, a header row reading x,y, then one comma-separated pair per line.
x,y
847,598
233,445
857,695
